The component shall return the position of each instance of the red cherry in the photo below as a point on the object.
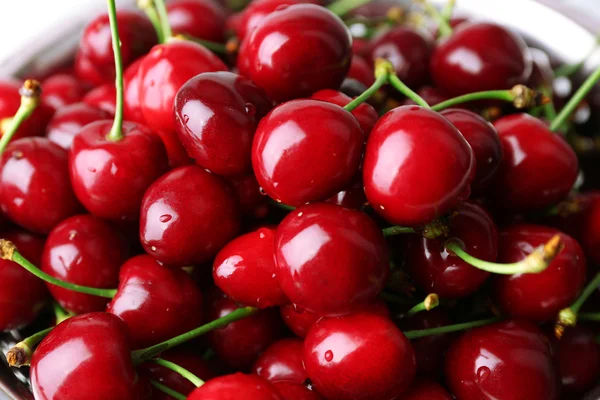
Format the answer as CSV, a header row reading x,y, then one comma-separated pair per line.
x,y
480,56
47,197
538,297
587,226
306,150
132,109
156,303
68,121
10,100
61,90
216,116
19,307
365,114
361,70
351,197
184,200
296,391
94,350
110,177
359,356
252,202
86,251
577,357
482,362
202,19
296,51
425,389
431,95
94,62
541,73
311,239
282,361
103,98
236,387
417,166
538,167
297,319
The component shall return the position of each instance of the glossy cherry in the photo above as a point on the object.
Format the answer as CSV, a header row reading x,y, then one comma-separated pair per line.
x,y
542,74
35,191
296,391
253,203
353,196
359,356
236,387
577,355
102,97
184,200
132,109
480,56
10,99
426,389
361,71
282,361
296,51
365,114
216,115
68,121
97,360
417,166
306,150
61,90
201,19
297,319
481,362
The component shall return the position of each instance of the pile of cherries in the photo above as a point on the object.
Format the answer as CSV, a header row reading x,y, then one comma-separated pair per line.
x,y
264,207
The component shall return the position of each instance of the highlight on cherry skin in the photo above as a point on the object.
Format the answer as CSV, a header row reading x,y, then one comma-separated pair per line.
x,y
300,200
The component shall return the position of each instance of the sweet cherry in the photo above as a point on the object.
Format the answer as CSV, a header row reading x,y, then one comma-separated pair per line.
x,y
236,386
10,100
68,121
251,200
282,361
102,98
297,319
365,114
361,71
132,109
61,90
426,389
577,357
296,391
201,19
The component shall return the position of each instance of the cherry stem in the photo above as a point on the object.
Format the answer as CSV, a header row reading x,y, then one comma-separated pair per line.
x,y
450,328
161,7
397,230
20,354
567,70
180,370
60,314
116,132
168,391
279,204
215,47
147,6
148,353
568,316
343,7
549,109
408,92
443,25
536,262
431,301
589,316
8,251
379,82
30,98
448,10
521,96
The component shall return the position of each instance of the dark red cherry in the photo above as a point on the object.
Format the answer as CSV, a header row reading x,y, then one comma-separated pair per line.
x,y
577,355
68,121
245,270
10,100
185,200
296,51
202,19
132,109
35,191
314,237
236,386
22,295
216,114
481,363
306,150
542,74
296,391
430,94
426,389
103,98
361,70
353,196
538,297
588,222
110,177
298,319
94,350
417,166
94,61
408,50
156,303
365,114
282,361
252,202
480,56
86,251
484,141
359,356
538,167
61,90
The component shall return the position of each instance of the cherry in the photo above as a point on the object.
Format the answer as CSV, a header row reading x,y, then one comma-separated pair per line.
x,y
102,98
95,351
306,150
86,251
68,121
417,166
478,57
296,391
425,389
245,270
216,116
353,196
296,51
20,307
187,199
365,114
541,72
10,100
484,141
47,197
255,13
236,387
61,90
202,19
481,362
331,233
251,201
282,361
359,356
132,109
361,71
297,319
538,167
94,62
431,95
586,225
155,302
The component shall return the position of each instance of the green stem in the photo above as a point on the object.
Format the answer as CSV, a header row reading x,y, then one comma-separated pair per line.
x,y
168,391
281,205
180,370
142,355
20,354
589,316
161,7
116,132
343,7
549,109
60,314
449,328
587,292
569,316
147,6
397,230
408,92
431,301
443,25
504,95
448,10
379,82
30,98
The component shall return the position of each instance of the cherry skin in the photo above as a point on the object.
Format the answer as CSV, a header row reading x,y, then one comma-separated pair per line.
x,y
365,114
94,62
10,100
431,95
187,199
296,391
353,196
236,386
86,251
201,19
95,348
425,389
361,71
156,303
359,356
296,51
216,116
578,359
282,361
298,320
20,307
472,374
480,56
588,222
542,74
68,121
47,198
61,90
331,233
538,168
306,150
132,109
102,97
538,297
251,201
417,166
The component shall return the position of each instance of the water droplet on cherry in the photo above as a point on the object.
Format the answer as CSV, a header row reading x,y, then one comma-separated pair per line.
x,y
329,355
165,218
